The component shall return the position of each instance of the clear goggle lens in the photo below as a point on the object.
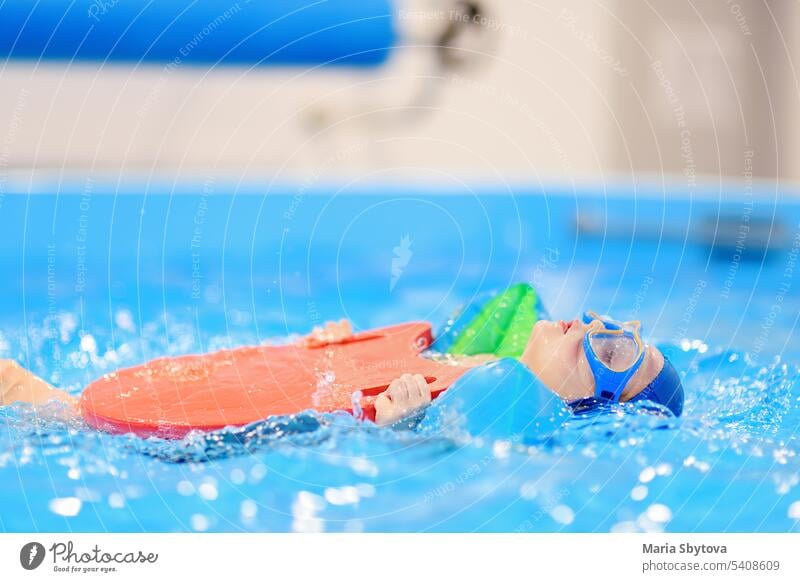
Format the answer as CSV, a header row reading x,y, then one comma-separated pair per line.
x,y
617,351
617,345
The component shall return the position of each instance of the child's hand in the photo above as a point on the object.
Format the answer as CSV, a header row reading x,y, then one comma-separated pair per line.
x,y
331,332
19,385
405,395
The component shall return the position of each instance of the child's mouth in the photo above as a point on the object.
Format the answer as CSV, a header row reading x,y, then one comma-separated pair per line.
x,y
566,325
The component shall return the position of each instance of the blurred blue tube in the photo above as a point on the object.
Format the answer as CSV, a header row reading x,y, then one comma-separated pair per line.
x,y
199,32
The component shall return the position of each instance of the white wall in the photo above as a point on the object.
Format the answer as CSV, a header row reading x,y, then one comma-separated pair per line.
x,y
554,89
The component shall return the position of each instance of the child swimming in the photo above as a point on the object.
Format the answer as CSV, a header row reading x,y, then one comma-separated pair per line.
x,y
556,354
586,362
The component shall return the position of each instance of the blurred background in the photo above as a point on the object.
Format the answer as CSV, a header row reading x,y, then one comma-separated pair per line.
x,y
560,91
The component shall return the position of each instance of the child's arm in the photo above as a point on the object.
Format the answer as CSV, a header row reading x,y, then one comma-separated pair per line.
x,y
19,385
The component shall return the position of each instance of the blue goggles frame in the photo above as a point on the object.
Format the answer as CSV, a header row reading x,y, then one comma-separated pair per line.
x,y
610,383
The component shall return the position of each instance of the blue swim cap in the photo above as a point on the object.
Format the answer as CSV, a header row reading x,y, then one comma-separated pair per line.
x,y
665,389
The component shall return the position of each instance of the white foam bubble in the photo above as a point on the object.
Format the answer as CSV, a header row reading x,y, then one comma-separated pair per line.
x,y
639,492
563,514
659,513
248,509
66,506
647,475
199,522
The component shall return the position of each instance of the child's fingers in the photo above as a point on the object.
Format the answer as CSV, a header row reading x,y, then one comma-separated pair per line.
x,y
405,390
417,381
382,401
397,391
317,333
413,387
345,328
383,408
423,389
390,391
404,394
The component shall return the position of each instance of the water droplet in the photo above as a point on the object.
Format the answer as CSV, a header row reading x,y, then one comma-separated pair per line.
x,y
341,495
124,320
248,509
208,489
501,449
647,475
258,472
185,488
528,490
784,483
639,492
133,492
563,514
87,495
65,506
365,490
88,344
304,510
659,513
364,467
781,455
199,522
237,476
307,503
308,525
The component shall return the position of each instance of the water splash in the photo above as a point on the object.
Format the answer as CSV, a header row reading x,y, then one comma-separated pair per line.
x,y
735,446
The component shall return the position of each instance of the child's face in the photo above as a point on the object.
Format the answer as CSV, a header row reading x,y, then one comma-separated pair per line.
x,y
555,354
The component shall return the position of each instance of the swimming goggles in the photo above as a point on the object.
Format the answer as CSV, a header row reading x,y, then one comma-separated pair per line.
x,y
614,351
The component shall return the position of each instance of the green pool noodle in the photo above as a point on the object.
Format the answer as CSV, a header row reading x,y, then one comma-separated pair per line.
x,y
502,327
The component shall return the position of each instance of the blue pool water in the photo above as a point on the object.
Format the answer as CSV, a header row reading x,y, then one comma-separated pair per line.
x,y
96,278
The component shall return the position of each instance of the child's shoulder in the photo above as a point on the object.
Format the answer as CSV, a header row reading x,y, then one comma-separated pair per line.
x,y
499,400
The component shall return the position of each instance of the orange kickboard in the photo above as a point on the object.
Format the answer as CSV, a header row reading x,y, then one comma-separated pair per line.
x,y
169,397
